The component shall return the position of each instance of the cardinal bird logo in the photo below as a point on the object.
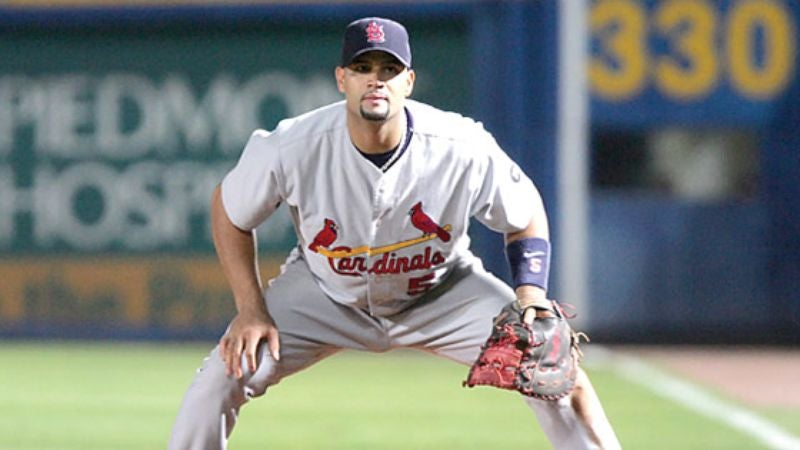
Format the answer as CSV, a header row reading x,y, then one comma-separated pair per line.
x,y
325,237
424,223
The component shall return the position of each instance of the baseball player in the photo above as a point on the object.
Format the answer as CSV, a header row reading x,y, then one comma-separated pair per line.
x,y
381,190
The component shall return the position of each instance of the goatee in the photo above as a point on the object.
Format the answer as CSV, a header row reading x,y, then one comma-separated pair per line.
x,y
374,116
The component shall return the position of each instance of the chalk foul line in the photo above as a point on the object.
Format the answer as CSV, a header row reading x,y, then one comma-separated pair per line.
x,y
697,399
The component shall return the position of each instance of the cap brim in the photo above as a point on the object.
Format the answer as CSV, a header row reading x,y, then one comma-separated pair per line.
x,y
380,49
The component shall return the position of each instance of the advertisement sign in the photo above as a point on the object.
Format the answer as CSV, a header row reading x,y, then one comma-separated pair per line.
x,y
112,140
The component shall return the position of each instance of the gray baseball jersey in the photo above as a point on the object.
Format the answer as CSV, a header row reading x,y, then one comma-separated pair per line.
x,y
379,239
373,241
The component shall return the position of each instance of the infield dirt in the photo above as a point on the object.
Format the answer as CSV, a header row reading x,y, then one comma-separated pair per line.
x,y
753,375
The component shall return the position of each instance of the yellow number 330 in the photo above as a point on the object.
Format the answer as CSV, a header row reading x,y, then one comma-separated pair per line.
x,y
756,48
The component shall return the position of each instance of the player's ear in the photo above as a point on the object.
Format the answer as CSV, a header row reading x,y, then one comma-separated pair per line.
x,y
339,74
410,81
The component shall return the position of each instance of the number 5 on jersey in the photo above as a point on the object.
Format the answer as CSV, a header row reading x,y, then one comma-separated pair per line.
x,y
420,285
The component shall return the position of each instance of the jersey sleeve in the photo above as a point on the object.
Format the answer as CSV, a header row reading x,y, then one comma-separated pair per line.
x,y
251,190
506,197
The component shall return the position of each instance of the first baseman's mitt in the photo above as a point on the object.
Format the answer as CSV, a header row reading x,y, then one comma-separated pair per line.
x,y
538,360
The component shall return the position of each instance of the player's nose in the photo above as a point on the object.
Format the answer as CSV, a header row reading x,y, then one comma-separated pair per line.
x,y
375,80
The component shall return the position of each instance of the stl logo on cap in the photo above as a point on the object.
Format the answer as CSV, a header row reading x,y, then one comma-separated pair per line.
x,y
375,33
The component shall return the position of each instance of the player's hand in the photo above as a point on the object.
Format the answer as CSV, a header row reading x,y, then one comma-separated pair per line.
x,y
528,296
535,313
247,330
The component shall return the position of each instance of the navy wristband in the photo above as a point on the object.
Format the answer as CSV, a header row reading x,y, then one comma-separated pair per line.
x,y
529,260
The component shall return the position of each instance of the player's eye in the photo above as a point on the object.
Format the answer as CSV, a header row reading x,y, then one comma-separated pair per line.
x,y
361,67
392,69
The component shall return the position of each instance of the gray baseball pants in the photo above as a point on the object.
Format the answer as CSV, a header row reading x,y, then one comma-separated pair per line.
x,y
453,321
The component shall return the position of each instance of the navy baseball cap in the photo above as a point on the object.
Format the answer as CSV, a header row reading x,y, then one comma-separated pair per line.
x,y
376,33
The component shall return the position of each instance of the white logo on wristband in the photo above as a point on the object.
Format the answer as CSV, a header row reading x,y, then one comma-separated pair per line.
x,y
528,255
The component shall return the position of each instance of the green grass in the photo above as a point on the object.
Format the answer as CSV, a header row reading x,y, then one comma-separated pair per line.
x,y
56,395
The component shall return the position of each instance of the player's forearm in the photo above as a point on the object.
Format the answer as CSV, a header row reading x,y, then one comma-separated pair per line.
x,y
535,229
528,251
236,250
530,291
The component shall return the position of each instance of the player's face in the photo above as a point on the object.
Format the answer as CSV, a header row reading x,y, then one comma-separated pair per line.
x,y
375,85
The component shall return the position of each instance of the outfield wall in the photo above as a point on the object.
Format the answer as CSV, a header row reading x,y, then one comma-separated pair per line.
x,y
117,122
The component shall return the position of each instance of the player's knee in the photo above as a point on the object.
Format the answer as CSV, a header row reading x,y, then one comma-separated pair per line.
x,y
265,375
